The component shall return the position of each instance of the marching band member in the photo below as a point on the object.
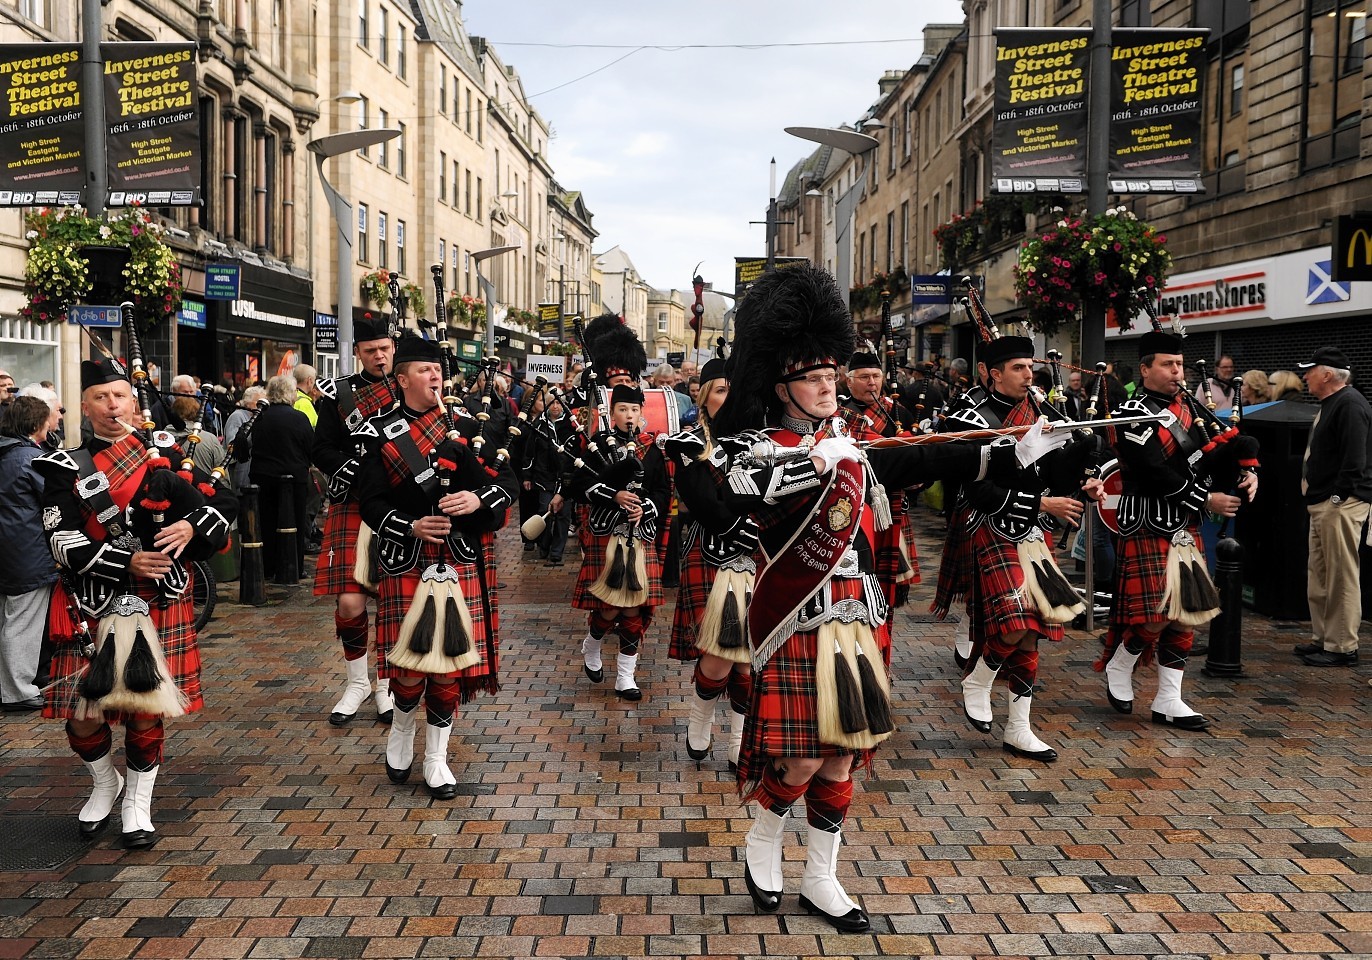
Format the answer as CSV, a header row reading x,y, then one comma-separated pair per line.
x,y
717,570
1163,590
343,406
818,622
620,582
1017,592
434,507
122,526
884,416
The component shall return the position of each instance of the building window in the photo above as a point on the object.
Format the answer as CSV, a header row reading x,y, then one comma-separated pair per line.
x,y
480,120
467,209
890,241
400,247
363,111
383,50
478,199
400,150
468,120
1236,89
442,88
1333,94
361,233
442,174
442,251
457,107
34,10
455,182
455,271
362,22
381,239
662,321
400,62
383,159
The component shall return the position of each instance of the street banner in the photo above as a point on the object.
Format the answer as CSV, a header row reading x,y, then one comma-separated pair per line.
x,y
543,365
748,269
152,131
1157,88
41,137
1038,141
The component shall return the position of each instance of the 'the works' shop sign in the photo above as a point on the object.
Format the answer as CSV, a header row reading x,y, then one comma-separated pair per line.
x,y
1039,137
152,134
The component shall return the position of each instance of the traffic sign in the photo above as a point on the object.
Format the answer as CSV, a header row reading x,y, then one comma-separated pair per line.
x,y
93,316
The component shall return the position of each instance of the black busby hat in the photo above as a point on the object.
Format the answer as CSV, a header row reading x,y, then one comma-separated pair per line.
x,y
626,393
863,360
714,369
369,329
104,370
1158,341
616,351
1005,348
413,348
792,321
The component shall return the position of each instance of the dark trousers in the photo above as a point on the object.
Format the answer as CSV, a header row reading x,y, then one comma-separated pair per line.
x,y
271,490
554,539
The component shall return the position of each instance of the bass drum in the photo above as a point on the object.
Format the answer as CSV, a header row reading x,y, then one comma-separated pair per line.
x,y
1108,509
661,414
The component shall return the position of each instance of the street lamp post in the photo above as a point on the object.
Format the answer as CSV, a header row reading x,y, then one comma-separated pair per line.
x,y
488,290
859,145
334,145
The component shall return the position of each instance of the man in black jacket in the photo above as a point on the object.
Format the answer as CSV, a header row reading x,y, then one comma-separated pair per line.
x,y
1336,482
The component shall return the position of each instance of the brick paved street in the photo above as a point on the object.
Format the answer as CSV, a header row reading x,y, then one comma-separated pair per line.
x,y
582,829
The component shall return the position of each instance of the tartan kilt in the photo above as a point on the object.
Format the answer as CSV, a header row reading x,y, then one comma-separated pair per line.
x,y
907,533
999,587
956,569
593,549
338,554
393,602
175,630
697,577
1141,575
783,715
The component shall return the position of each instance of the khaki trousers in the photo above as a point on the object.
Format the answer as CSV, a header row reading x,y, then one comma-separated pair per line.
x,y
1333,587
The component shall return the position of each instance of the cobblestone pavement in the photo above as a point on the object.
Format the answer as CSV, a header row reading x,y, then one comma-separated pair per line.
x,y
582,829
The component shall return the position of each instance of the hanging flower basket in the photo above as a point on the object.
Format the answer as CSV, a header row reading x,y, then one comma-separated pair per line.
x,y
414,296
57,274
1103,261
375,289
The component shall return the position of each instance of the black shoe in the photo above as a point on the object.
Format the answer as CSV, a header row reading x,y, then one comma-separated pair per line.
x,y
981,726
554,561
959,659
386,717
444,791
1328,658
341,719
1044,756
854,921
23,706
698,755
1121,706
138,839
92,828
1302,649
1195,721
764,900
595,676
633,694
529,547
313,549
396,775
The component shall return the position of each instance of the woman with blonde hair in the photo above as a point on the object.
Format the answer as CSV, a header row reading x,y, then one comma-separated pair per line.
x,y
1254,388
1284,385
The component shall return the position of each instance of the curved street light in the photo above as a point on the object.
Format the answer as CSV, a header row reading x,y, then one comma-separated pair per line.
x,y
487,289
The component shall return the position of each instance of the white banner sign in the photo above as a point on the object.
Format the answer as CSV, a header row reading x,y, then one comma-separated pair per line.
x,y
542,365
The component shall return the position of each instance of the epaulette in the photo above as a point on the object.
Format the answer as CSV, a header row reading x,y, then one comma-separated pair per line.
x,y
1133,408
55,461
328,387
970,417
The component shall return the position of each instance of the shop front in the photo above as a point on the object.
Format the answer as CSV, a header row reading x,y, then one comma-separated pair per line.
x,y
267,331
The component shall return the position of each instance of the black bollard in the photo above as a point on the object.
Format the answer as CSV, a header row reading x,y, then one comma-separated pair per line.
x,y
287,558
1225,656
252,588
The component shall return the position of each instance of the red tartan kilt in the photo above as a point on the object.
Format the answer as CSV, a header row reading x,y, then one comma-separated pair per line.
x,y
592,563
956,568
1141,576
697,578
175,630
999,580
783,719
393,602
338,555
907,533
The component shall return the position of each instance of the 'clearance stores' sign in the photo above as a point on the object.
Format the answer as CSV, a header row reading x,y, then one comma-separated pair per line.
x,y
1283,289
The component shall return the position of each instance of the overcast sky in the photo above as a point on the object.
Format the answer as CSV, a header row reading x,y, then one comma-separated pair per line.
x,y
671,148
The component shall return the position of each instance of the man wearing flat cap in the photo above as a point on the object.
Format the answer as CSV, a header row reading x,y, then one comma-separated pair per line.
x,y
1336,481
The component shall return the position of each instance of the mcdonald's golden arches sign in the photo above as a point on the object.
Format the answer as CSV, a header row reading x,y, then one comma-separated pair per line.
x,y
1352,252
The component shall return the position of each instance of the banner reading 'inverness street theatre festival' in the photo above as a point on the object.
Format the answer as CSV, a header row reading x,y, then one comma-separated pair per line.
x,y
1157,86
41,162
152,131
1039,136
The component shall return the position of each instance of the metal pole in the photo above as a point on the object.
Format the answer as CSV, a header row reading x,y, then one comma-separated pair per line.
x,y
561,302
1088,531
1098,155
93,98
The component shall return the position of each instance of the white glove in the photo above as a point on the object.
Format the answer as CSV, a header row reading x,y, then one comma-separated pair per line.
x,y
1037,442
834,450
